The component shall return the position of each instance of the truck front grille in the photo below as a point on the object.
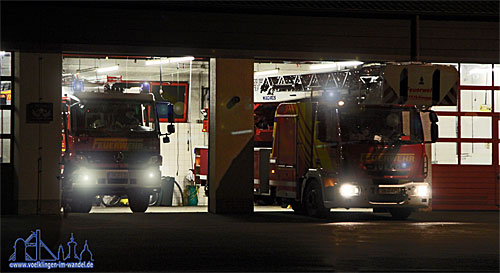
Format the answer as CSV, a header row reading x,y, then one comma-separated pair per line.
x,y
117,181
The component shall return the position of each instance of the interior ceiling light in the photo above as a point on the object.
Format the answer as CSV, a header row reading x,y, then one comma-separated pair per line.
x,y
266,73
323,66
334,65
169,60
107,69
350,63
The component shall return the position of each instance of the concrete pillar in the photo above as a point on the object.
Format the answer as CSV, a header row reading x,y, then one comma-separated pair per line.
x,y
230,175
37,146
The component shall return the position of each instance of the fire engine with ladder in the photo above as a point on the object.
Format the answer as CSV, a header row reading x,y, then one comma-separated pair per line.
x,y
352,139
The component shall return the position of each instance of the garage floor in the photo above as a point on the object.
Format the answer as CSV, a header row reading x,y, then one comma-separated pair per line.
x,y
196,209
270,240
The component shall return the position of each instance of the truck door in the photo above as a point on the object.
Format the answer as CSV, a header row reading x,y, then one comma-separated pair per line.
x,y
286,186
287,139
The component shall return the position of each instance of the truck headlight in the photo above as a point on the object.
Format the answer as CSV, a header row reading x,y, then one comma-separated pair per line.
x,y
348,190
152,175
85,177
422,190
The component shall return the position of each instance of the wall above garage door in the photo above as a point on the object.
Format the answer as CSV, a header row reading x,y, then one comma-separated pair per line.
x,y
357,30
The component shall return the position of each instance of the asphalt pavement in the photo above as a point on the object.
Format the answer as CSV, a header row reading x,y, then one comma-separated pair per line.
x,y
269,241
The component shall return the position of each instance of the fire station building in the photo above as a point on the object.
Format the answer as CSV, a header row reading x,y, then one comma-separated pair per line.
x,y
210,59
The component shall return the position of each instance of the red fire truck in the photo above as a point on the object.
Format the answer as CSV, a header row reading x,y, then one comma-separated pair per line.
x,y
111,146
360,146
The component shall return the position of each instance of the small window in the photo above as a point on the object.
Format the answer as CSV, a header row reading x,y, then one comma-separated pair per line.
x,y
444,108
447,127
497,101
444,153
5,151
476,127
327,124
5,125
476,153
5,63
475,101
5,93
476,74
497,74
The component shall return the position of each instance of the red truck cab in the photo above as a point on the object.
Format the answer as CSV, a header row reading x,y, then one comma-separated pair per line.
x,y
111,146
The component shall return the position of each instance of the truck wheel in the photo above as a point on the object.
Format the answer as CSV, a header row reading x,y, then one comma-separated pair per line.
x,y
138,200
110,200
153,198
313,201
400,213
298,207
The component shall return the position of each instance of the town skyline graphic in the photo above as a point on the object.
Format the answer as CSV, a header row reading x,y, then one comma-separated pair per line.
x,y
33,249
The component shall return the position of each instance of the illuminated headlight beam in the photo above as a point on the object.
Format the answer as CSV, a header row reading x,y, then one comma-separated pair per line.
x,y
348,190
422,191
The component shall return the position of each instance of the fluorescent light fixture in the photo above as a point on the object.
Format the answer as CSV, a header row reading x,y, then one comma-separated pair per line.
x,y
334,65
94,78
107,69
181,59
2,53
169,60
157,62
350,63
266,73
323,66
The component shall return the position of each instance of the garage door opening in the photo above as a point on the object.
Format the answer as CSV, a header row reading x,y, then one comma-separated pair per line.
x,y
112,120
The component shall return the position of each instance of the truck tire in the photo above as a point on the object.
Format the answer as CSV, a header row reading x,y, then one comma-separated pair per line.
x,y
400,213
138,200
298,207
313,201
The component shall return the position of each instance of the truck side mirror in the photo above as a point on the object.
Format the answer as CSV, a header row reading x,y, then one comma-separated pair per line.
x,y
166,139
165,110
433,117
434,132
170,129
432,135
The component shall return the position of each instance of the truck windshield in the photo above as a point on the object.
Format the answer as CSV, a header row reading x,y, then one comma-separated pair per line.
x,y
113,118
386,125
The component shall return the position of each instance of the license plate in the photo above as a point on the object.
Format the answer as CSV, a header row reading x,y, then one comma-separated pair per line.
x,y
118,175
389,190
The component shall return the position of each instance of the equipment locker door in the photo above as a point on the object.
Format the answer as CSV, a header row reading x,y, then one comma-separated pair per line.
x,y
287,139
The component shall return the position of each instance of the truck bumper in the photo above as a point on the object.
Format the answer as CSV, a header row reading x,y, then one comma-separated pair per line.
x,y
412,195
113,181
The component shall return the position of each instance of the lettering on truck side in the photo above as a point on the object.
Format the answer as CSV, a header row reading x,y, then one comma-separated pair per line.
x,y
398,158
117,144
